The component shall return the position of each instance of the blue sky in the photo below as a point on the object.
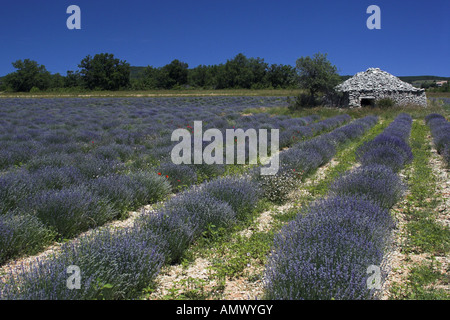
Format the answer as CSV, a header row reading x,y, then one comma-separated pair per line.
x,y
414,38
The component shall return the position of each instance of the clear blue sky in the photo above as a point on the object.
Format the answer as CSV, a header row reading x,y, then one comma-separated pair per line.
x,y
414,37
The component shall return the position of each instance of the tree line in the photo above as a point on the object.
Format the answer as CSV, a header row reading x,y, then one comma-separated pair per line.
x,y
105,72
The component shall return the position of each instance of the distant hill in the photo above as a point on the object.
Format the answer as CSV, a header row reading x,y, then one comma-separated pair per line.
x,y
414,80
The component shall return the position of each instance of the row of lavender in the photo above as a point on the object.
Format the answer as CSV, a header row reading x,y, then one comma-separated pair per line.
x,y
440,131
129,259
329,250
40,205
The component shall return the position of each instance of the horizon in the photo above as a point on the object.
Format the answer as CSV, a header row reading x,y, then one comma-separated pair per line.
x,y
413,39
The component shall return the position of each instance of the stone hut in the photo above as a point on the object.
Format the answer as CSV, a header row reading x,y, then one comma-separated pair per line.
x,y
365,88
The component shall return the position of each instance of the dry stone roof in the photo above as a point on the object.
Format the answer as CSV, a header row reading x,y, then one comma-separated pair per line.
x,y
374,79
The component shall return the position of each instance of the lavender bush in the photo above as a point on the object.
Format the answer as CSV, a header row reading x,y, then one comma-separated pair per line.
x,y
21,234
180,176
70,211
15,187
385,149
149,187
204,211
440,131
118,189
241,193
55,177
324,253
376,182
114,265
172,228
301,159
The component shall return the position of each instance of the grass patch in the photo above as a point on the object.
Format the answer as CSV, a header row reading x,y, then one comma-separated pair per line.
x,y
424,234
422,281
428,235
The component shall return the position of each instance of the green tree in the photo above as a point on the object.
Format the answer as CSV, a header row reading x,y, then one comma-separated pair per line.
x,y
57,81
282,76
174,74
198,76
316,75
148,80
105,72
258,70
242,72
29,74
73,79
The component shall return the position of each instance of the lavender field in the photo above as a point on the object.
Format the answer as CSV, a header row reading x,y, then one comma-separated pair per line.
x,y
69,167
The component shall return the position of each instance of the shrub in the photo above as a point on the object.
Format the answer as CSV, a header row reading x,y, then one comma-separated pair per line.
x,y
55,177
446,154
180,176
14,188
17,154
323,146
241,193
114,151
204,211
21,234
375,182
118,189
325,252
149,187
433,116
169,226
302,159
92,167
303,100
400,127
385,103
209,171
70,211
277,187
114,265
385,149
383,155
291,136
440,131
54,160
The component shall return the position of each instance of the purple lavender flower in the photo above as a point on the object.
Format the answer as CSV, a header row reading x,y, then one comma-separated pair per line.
x,y
324,253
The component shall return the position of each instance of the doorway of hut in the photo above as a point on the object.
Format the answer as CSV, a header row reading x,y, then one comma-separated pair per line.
x,y
368,102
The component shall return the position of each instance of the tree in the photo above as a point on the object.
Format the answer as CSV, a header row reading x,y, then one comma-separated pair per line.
x,y
176,74
29,74
258,70
282,76
73,79
149,78
316,75
57,81
198,76
105,72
